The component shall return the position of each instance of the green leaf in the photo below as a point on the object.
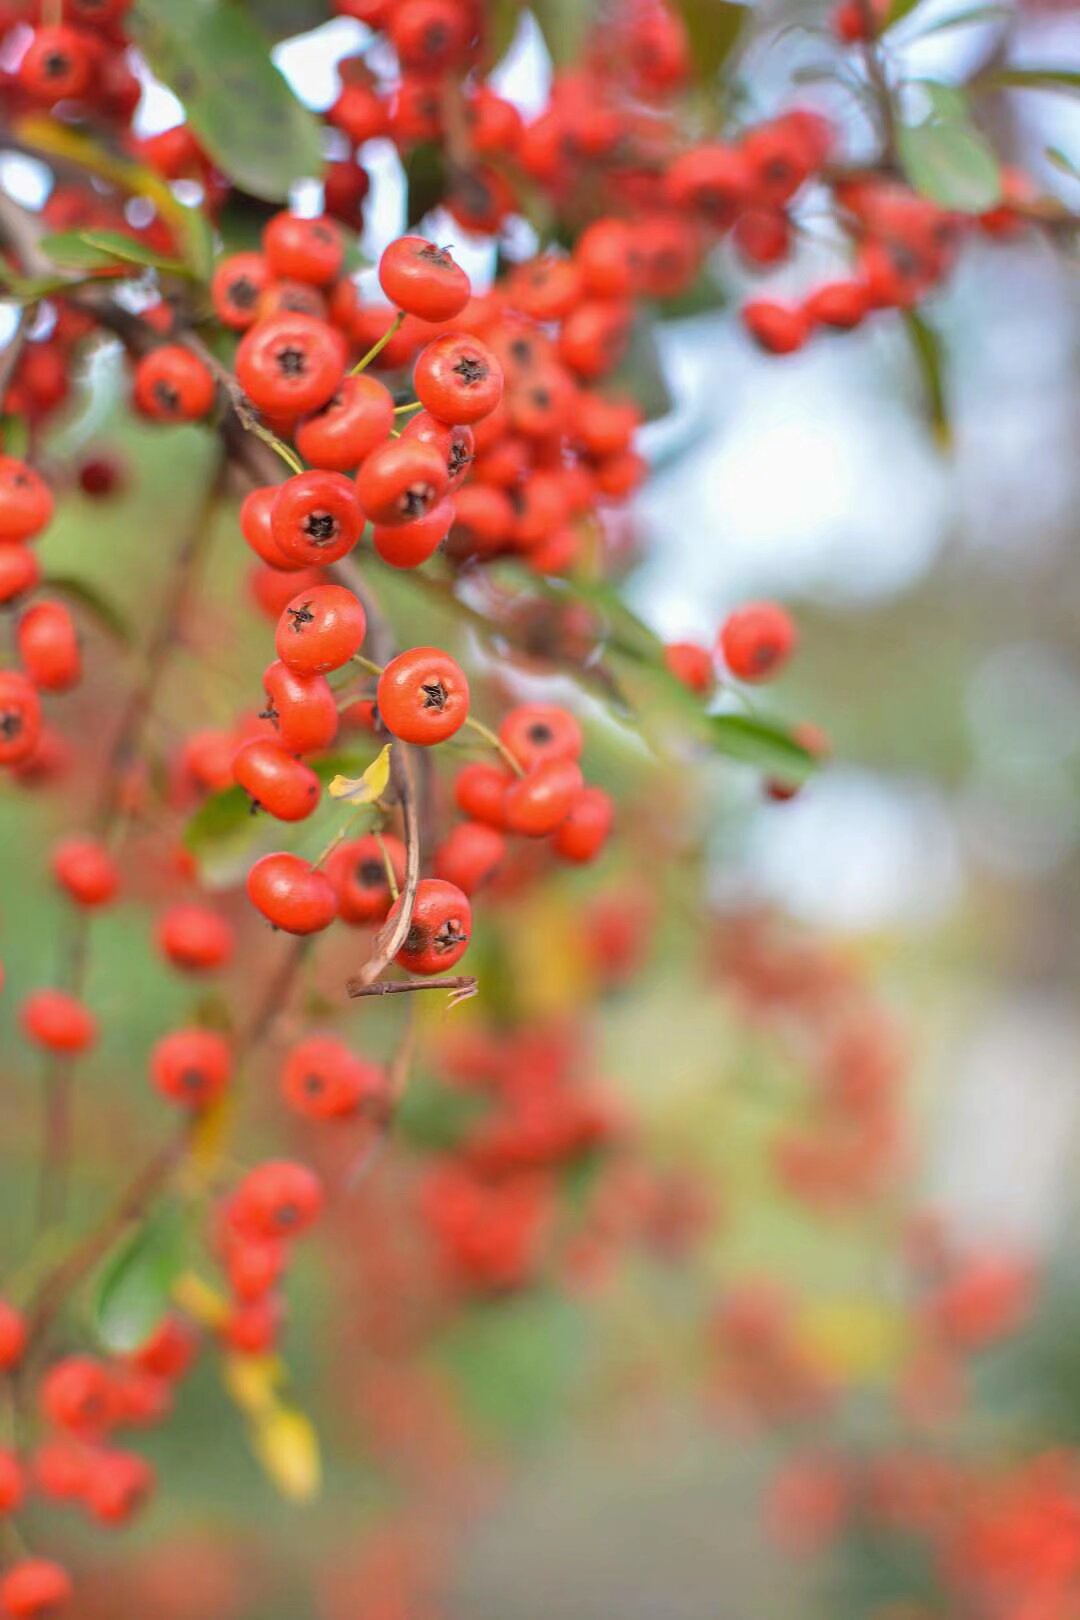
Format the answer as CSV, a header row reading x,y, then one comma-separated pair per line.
x,y
963,19
282,19
226,817
1066,80
133,252
132,1293
926,347
1062,161
762,743
503,20
514,1360
715,28
88,597
71,250
215,58
565,25
948,102
898,10
951,164
425,181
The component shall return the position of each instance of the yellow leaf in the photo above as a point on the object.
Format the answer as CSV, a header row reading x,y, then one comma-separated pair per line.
x,y
285,1443
253,1382
367,788
854,1338
199,1300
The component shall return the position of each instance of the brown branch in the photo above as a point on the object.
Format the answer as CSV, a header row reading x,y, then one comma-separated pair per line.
x,y
463,985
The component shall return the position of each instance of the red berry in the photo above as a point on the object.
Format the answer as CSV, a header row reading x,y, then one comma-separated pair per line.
x,y
776,328
278,1199
35,1587
423,696
20,570
76,1395
401,481
254,1266
118,1483
277,781
84,867
309,250
252,1328
292,894
423,279
20,718
458,379
290,364
320,630
712,181
26,501
757,640
302,709
470,855
170,1350
357,870
690,664
407,545
58,1021
12,1482
12,1336
57,65
584,833
173,385
349,426
191,1066
48,645
316,518
538,802
194,938
238,282
841,304
323,1079
480,792
255,526
534,732
439,928
455,444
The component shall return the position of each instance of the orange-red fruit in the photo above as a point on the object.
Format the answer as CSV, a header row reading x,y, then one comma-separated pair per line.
x,y
323,1079
423,279
58,1021
534,732
191,1066
35,1588
585,830
357,870
194,938
308,250
84,867
278,1199
292,894
173,385
12,1336
439,928
757,640
540,801
320,629
26,501
349,426
470,855
423,696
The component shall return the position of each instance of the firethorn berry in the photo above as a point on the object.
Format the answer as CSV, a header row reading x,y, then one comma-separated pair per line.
x,y
238,282
169,1351
256,528
277,781
293,298
584,832
606,255
142,1401
470,855
776,328
12,1482
48,646
762,236
252,1327
292,894
316,518
57,65
35,1587
191,1066
480,792
841,304
308,250
349,426
254,1266
194,938
756,641
20,571
439,928
535,732
539,801
61,1467
320,630
423,279
483,520
279,1199
12,1336
301,708
58,1021
290,364
712,181
458,379
76,1394
173,385
20,718
84,867
690,664
358,872
401,480
423,696
324,1080
594,337
428,35
456,445
26,501
118,1484
407,545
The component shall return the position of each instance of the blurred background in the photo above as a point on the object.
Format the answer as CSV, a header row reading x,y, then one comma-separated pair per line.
x,y
581,1446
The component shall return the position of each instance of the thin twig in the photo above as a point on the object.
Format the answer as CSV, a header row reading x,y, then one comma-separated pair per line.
x,y
463,985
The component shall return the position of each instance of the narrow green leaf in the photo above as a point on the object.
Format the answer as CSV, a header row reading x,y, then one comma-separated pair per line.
x,y
425,181
762,743
127,249
1062,161
216,59
1066,80
227,816
715,28
926,347
899,10
99,607
132,1292
503,20
951,164
565,25
71,250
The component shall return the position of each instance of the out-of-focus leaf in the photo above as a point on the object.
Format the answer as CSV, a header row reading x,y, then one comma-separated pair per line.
x,y
128,250
926,347
367,788
90,599
948,102
425,181
281,19
134,1288
1062,161
215,58
951,163
565,25
1066,80
71,251
898,10
964,19
503,20
222,817
514,1360
763,743
640,373
285,1443
715,28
